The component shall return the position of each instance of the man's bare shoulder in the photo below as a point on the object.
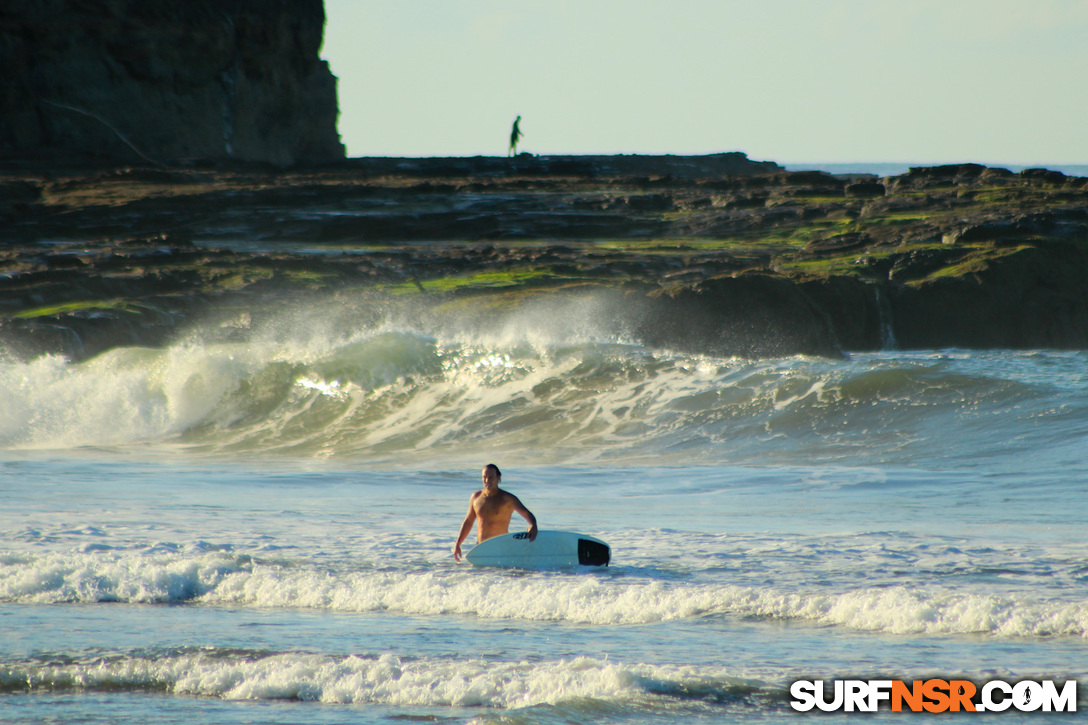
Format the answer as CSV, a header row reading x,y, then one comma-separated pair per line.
x,y
498,495
507,496
498,498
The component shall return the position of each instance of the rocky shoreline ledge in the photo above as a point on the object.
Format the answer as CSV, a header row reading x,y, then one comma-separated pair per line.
x,y
712,254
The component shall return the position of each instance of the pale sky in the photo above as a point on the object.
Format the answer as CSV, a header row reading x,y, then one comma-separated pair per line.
x,y
935,81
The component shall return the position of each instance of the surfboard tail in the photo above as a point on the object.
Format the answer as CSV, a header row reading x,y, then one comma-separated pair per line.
x,y
593,553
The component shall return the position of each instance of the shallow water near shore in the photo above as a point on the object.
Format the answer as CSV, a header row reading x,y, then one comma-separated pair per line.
x,y
261,532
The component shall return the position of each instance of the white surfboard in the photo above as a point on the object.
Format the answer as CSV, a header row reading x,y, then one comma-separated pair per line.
x,y
551,550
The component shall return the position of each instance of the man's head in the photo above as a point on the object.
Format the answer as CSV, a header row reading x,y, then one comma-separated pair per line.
x,y
491,474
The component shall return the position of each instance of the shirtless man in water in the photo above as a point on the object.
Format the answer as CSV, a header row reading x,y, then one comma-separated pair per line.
x,y
491,508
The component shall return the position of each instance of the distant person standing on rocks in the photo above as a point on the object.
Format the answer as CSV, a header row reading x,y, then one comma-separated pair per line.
x,y
515,134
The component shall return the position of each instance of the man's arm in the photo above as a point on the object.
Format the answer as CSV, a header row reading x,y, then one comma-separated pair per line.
x,y
528,516
466,527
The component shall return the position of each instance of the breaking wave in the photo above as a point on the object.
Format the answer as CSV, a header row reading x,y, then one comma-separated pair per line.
x,y
386,679
385,395
610,599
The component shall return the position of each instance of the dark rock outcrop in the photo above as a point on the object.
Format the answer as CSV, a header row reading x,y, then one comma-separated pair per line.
x,y
673,253
1032,297
746,315
167,80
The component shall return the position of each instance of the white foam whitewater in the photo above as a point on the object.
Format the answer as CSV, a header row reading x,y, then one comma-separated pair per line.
x,y
386,679
233,580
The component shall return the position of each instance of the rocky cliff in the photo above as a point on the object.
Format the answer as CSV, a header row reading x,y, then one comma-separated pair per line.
x,y
670,251
167,80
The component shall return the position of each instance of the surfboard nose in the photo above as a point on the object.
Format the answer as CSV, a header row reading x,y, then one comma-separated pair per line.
x,y
593,553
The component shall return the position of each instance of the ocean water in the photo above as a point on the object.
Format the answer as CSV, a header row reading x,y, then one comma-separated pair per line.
x,y
895,169
258,528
